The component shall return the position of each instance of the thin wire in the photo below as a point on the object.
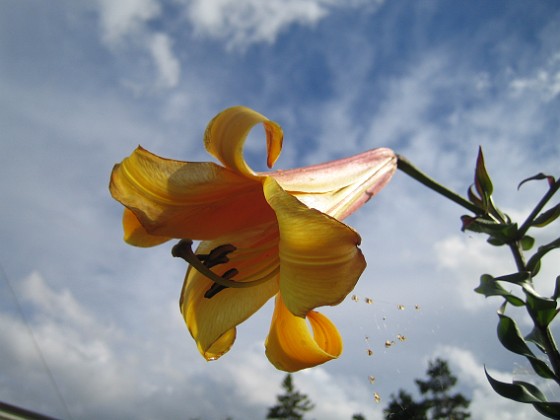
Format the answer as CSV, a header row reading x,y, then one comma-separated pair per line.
x,y
36,344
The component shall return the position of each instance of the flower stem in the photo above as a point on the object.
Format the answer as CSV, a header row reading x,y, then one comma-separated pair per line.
x,y
404,165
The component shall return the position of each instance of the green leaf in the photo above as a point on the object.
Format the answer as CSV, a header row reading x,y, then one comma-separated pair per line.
x,y
547,217
535,270
515,278
510,336
541,252
536,337
532,389
516,391
504,234
511,339
473,198
527,242
540,176
542,309
482,181
489,287
550,410
500,233
541,368
556,289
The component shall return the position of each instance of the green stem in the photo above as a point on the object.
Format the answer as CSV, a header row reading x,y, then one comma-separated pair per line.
x,y
404,165
517,256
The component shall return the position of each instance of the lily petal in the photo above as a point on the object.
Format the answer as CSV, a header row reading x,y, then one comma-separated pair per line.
x,y
290,346
320,261
177,199
340,187
135,234
212,320
225,136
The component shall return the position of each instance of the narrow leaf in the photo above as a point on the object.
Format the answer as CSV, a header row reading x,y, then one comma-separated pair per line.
x,y
532,389
556,289
473,198
547,217
542,309
489,287
541,368
537,177
515,278
482,181
541,252
536,337
511,338
515,391
550,410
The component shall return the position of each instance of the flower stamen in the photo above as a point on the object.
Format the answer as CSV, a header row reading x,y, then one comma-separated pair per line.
x,y
216,288
217,256
202,263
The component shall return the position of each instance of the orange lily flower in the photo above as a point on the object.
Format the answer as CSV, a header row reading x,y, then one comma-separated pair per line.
x,y
262,235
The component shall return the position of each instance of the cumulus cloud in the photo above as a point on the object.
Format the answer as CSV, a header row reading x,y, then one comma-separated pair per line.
x,y
464,258
169,67
544,81
249,21
485,403
94,374
125,25
244,22
120,19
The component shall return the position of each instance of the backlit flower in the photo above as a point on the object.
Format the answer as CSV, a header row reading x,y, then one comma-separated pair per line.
x,y
263,235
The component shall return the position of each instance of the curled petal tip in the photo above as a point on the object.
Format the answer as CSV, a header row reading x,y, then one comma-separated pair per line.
x,y
274,140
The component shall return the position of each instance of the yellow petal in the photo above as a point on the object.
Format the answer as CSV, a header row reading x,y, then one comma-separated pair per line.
x,y
320,261
340,187
290,346
212,320
225,136
135,234
177,199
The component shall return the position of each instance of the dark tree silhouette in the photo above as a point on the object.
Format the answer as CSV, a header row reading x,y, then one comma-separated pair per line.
x,y
292,404
436,403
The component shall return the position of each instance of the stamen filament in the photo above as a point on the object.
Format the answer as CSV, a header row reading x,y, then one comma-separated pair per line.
x,y
183,250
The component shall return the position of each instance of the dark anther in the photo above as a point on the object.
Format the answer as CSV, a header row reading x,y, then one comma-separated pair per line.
x,y
217,256
203,264
216,288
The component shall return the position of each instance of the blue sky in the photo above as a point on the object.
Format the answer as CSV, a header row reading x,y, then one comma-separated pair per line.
x,y
83,83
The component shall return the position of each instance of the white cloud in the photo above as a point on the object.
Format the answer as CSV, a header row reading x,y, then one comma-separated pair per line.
x,y
123,18
103,371
485,403
125,27
169,67
95,371
244,22
544,81
249,21
463,259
